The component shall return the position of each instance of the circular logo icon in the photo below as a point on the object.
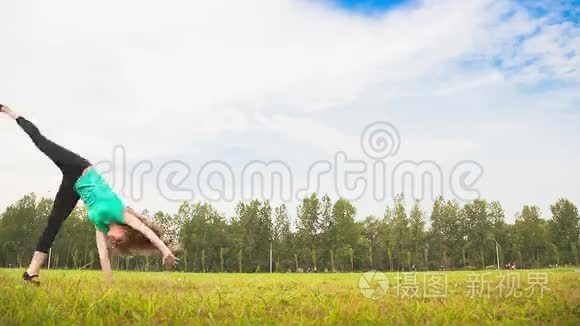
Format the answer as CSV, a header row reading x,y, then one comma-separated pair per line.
x,y
373,284
380,140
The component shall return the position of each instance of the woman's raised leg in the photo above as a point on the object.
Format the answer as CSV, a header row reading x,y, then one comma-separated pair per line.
x,y
72,166
66,160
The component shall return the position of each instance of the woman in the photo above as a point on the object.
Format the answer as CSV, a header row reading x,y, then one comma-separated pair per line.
x,y
117,226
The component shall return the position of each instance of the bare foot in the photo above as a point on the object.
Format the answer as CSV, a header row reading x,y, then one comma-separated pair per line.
x,y
7,110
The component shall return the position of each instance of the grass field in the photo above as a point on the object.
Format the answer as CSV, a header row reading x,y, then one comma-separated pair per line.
x,y
79,297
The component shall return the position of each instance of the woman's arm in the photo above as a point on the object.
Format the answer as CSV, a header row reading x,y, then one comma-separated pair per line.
x,y
133,221
104,256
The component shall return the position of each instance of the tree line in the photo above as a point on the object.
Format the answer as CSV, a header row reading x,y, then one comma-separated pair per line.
x,y
326,235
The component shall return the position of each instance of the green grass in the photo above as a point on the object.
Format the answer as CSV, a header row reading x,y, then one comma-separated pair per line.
x,y
79,297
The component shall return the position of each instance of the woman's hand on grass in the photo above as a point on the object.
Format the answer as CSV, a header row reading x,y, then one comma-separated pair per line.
x,y
169,259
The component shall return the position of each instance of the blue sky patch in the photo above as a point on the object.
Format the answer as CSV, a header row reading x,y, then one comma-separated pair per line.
x,y
556,10
368,6
567,10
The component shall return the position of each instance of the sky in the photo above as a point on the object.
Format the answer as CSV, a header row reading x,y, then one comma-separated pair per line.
x,y
368,6
195,90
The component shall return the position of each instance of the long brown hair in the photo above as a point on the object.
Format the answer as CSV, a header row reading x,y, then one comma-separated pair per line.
x,y
135,243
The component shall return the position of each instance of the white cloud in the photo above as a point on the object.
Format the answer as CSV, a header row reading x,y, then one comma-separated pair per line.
x,y
187,80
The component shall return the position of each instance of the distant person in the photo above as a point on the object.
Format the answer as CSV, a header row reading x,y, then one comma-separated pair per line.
x,y
118,227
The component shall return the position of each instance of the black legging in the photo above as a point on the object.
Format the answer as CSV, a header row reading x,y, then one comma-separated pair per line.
x,y
72,167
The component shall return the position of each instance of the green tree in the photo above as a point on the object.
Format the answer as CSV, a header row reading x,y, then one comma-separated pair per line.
x,y
416,235
400,232
478,230
308,227
566,227
529,233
